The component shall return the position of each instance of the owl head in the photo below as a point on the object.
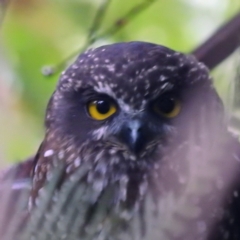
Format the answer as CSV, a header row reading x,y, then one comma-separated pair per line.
x,y
134,95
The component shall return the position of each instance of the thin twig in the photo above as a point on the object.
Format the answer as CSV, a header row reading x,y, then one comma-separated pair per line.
x,y
3,9
98,20
123,21
96,24
92,38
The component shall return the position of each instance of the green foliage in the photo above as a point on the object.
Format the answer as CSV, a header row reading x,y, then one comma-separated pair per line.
x,y
40,32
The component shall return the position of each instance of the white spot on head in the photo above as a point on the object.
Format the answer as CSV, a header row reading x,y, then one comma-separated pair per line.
x,y
101,76
163,78
95,77
112,85
104,88
125,107
112,151
100,133
75,66
48,153
111,67
107,89
166,86
171,68
155,67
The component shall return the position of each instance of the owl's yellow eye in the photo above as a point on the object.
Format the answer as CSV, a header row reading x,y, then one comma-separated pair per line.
x,y
101,109
167,106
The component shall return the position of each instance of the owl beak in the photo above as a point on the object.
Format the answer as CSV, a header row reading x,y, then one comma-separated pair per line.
x,y
133,135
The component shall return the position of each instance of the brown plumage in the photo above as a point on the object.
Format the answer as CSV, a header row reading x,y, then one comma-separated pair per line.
x,y
136,147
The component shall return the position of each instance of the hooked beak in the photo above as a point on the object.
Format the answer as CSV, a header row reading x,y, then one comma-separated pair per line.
x,y
135,135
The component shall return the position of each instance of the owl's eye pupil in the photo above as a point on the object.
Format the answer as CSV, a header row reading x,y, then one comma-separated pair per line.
x,y
166,105
101,109
103,106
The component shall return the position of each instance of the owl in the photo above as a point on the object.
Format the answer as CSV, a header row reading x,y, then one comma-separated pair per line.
x,y
136,147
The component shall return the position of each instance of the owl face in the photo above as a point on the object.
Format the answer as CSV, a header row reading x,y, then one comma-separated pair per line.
x,y
136,96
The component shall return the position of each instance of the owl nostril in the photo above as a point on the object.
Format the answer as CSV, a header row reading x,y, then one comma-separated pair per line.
x,y
131,130
133,136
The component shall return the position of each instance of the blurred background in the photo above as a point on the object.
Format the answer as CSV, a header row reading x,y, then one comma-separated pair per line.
x,y
38,33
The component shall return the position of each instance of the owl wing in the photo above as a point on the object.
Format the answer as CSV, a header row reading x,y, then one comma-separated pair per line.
x,y
15,185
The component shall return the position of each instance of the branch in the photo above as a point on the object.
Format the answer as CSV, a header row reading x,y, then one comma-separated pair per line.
x,y
220,45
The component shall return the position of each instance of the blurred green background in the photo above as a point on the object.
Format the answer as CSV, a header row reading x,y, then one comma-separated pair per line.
x,y
35,33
